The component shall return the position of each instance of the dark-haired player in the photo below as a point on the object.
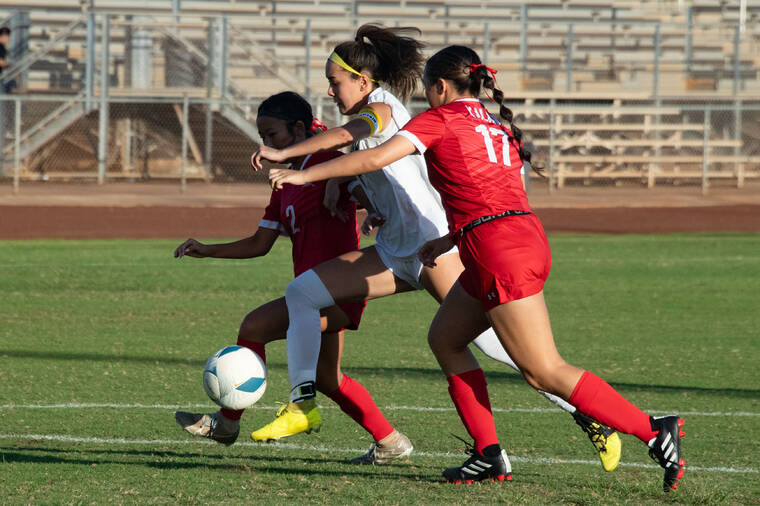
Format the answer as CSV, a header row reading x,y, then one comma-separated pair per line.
x,y
474,162
297,211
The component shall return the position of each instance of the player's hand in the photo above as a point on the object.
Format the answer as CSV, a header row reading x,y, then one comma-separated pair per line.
x,y
332,197
373,220
191,248
433,249
266,153
279,177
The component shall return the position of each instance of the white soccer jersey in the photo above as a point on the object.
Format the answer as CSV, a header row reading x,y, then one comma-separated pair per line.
x,y
401,191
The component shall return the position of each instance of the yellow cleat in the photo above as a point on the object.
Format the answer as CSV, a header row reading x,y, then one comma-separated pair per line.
x,y
606,440
610,454
293,418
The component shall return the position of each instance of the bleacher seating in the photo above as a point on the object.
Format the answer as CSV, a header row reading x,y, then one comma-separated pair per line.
x,y
611,47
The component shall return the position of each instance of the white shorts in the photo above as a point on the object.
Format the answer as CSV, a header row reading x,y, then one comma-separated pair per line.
x,y
405,268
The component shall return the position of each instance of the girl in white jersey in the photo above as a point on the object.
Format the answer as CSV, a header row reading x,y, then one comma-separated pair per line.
x,y
409,212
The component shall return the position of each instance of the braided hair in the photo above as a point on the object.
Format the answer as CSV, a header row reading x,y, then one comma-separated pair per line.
x,y
462,66
292,108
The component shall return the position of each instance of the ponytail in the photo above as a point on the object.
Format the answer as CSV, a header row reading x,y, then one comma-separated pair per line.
x,y
462,66
387,56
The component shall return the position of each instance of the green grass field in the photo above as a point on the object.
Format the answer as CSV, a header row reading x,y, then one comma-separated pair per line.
x,y
89,329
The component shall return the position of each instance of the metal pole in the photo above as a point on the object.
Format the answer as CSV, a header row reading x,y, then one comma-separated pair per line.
x,y
486,42
89,71
551,145
185,126
103,116
223,53
706,151
128,144
656,68
737,62
737,149
209,92
523,37
210,61
655,167
4,126
307,65
689,43
175,10
569,56
17,145
742,15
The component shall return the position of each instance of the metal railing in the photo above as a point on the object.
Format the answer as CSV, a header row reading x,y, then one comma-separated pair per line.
x,y
232,62
142,138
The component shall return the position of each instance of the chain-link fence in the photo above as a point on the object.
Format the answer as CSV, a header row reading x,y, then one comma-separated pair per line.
x,y
139,139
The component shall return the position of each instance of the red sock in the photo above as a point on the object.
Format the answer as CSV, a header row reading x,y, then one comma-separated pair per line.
x,y
257,348
594,397
470,395
354,400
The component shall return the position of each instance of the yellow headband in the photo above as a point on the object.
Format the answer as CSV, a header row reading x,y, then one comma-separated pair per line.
x,y
336,59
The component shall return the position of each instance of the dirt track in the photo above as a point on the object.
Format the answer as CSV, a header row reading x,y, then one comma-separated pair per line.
x,y
156,211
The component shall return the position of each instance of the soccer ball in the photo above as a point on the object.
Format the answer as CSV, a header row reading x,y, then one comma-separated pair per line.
x,y
235,377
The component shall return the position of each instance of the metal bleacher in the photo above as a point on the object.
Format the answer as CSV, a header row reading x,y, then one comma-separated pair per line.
x,y
605,89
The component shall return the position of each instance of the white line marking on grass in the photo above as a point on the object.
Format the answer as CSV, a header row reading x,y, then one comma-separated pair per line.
x,y
330,449
385,408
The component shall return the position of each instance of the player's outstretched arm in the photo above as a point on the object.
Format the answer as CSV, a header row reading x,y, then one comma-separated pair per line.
x,y
334,138
358,162
257,245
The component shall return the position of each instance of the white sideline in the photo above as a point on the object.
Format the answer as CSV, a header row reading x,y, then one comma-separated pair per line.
x,y
329,449
328,406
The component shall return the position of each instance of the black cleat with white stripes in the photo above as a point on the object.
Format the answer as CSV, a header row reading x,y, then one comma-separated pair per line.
x,y
665,448
481,467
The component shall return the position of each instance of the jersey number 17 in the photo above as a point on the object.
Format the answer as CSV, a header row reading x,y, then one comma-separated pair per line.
x,y
488,133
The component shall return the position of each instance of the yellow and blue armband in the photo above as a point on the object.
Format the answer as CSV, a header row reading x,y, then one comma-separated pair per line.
x,y
372,118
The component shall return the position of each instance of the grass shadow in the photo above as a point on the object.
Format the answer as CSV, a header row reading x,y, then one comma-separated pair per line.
x,y
312,466
507,376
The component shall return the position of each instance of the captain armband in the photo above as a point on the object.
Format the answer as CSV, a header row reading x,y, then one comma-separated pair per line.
x,y
372,118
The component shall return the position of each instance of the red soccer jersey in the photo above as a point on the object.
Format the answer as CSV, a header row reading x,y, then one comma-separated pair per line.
x,y
473,161
298,212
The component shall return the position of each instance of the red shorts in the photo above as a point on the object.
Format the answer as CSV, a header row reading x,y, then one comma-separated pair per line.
x,y
354,312
504,260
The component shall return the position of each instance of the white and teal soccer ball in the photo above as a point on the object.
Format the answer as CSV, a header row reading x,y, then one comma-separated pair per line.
x,y
235,377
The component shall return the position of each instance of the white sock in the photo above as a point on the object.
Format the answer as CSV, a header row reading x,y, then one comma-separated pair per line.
x,y
488,342
305,296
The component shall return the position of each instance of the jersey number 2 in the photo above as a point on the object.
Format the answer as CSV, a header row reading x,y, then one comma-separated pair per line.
x,y
487,133
290,212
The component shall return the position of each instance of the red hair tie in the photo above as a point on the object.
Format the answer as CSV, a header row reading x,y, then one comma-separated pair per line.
x,y
317,125
476,66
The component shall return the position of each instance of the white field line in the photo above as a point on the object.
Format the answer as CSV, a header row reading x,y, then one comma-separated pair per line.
x,y
330,449
384,408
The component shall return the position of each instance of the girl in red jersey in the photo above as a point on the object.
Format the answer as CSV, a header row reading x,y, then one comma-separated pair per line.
x,y
474,162
297,211
364,74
